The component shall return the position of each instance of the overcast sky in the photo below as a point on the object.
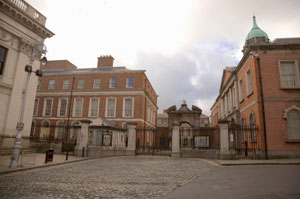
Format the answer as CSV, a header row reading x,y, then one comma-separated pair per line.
x,y
182,44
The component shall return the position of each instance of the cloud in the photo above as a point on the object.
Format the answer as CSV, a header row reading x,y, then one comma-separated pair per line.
x,y
193,75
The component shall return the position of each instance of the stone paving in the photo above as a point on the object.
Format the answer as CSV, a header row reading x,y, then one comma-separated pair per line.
x,y
118,177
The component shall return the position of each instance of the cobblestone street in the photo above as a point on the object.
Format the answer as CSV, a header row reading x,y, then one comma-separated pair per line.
x,y
120,177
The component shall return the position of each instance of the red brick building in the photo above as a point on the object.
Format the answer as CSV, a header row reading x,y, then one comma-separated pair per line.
x,y
66,94
260,97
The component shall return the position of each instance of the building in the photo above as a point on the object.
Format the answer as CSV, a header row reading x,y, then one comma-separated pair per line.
x,y
21,28
66,95
260,97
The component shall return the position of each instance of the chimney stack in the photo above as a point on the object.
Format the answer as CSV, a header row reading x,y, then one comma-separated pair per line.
x,y
105,60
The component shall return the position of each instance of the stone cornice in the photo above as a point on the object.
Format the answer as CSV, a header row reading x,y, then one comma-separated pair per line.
x,y
23,18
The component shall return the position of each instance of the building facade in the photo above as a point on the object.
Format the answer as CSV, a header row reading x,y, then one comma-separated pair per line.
x,y
260,97
66,95
21,27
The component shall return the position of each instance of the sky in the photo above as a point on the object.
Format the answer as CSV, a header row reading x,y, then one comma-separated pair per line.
x,y
183,45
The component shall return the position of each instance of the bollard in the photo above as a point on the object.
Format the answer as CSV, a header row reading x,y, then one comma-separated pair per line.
x,y
67,155
83,152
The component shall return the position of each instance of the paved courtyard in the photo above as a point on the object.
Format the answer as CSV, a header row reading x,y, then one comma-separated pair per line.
x,y
119,177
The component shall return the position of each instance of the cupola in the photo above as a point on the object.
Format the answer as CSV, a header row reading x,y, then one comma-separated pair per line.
x,y
256,32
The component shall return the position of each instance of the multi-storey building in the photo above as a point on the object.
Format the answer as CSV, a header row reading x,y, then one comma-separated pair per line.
x,y
21,28
261,97
65,95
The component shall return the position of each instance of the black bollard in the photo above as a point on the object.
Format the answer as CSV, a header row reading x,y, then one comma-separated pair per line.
x,y
83,152
67,155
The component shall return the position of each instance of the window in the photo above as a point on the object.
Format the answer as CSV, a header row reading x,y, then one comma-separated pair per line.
x,y
249,82
201,141
35,107
51,84
38,87
128,107
80,84
293,123
113,82
94,106
241,90
45,130
66,84
129,82
62,107
252,128
110,107
289,74
60,130
3,52
78,107
96,83
47,107
243,130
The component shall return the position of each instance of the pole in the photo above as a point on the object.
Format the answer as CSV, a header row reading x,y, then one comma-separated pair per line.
x,y
263,107
18,145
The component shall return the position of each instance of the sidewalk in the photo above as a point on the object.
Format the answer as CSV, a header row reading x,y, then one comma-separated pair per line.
x,y
258,162
36,160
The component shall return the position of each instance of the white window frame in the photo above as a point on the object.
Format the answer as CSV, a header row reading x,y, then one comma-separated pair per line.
x,y
96,84
106,107
297,76
80,84
249,82
90,107
51,86
44,108
124,108
74,107
65,85
127,82
111,83
36,107
59,107
241,90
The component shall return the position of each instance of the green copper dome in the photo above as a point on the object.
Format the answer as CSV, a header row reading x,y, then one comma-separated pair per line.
x,y
256,31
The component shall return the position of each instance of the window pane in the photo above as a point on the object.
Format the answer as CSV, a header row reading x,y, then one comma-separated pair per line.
x,y
111,107
96,83
113,82
63,107
80,84
94,107
78,107
128,107
288,74
66,84
38,85
48,107
129,82
51,84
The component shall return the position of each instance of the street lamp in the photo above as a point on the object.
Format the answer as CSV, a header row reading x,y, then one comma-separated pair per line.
x,y
38,50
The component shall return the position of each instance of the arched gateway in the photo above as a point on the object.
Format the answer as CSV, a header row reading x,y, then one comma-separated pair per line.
x,y
183,123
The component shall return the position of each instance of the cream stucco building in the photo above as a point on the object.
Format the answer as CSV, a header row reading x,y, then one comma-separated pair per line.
x,y
21,27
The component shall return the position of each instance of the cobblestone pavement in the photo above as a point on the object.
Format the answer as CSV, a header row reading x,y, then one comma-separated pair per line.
x,y
118,177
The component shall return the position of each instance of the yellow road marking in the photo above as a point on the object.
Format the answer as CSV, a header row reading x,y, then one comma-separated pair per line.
x,y
211,162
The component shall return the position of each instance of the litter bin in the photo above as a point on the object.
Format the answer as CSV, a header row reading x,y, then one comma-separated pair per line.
x,y
49,155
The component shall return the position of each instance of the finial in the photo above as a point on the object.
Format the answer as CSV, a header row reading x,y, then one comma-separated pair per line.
x,y
183,101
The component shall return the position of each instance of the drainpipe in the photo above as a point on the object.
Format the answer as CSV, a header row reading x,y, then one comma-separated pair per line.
x,y
263,107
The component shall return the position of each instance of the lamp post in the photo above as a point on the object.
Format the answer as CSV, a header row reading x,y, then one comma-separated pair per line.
x,y
38,50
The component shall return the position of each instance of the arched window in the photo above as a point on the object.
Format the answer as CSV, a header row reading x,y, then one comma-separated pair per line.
x,y
252,127
293,123
45,130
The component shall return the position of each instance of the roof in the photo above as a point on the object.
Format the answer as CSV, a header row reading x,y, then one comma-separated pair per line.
x,y
256,31
293,40
162,115
104,69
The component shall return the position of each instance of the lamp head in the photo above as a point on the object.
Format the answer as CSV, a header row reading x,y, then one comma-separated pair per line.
x,y
44,60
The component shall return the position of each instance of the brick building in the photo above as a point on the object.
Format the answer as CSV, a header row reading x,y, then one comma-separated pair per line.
x,y
260,97
67,94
